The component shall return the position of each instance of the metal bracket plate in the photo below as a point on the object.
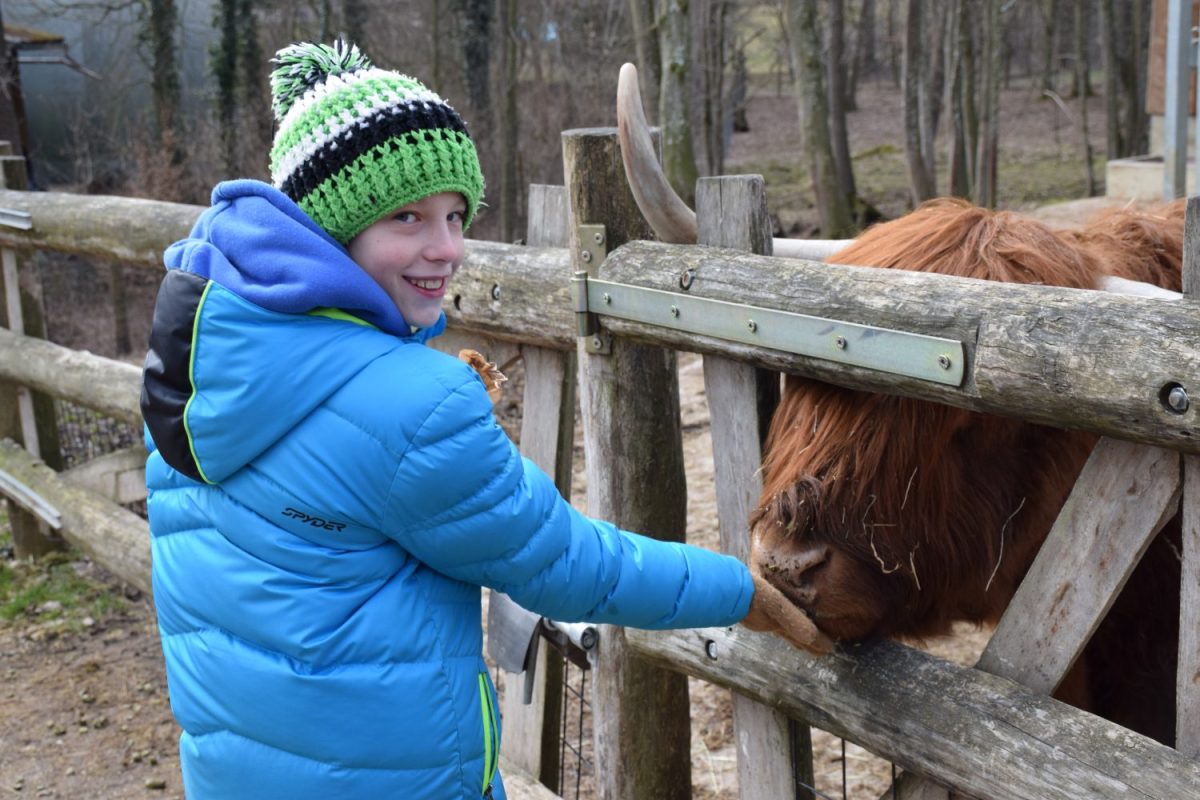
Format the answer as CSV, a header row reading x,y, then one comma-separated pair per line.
x,y
593,249
929,358
29,500
12,218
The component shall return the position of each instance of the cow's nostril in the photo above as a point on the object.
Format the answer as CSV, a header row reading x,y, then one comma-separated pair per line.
x,y
793,572
811,557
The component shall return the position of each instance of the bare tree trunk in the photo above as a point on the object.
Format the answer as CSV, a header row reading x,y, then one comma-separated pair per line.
x,y
863,62
1081,81
255,100
679,157
1113,146
1134,81
895,57
833,207
920,176
476,19
435,44
737,91
958,179
837,99
165,81
223,65
241,102
989,135
1049,11
509,146
355,22
649,57
970,105
711,18
932,78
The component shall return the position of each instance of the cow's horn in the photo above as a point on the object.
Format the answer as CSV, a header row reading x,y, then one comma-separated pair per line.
x,y
668,215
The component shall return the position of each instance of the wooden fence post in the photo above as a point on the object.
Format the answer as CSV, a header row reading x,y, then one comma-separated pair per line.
x,y
732,212
1187,700
635,478
531,732
25,416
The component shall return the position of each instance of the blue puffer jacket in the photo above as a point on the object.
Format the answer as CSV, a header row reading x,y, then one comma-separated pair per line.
x,y
327,495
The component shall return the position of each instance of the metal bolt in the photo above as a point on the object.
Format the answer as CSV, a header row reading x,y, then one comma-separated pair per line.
x,y
674,311
607,299
944,362
1177,400
752,325
840,342
598,238
710,649
586,255
495,291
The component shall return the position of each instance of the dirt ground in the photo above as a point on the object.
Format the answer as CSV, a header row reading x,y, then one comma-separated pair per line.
x,y
85,712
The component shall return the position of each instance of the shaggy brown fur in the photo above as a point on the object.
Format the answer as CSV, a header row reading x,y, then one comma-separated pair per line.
x,y
890,516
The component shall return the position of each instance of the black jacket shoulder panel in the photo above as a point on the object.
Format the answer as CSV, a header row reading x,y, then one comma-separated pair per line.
x,y
166,377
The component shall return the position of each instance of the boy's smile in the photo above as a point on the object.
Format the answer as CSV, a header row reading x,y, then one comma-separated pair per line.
x,y
413,252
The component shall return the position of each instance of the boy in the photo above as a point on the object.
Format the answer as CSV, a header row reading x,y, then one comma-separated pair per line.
x,y
328,495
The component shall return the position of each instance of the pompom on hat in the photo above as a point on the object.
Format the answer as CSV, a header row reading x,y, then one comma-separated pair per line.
x,y
356,142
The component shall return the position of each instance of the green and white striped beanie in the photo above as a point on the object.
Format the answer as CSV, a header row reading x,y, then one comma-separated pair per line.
x,y
356,142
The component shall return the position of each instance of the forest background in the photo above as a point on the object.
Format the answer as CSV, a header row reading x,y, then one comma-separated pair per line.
x,y
177,97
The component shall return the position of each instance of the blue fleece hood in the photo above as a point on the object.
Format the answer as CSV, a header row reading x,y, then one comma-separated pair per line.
x,y
260,245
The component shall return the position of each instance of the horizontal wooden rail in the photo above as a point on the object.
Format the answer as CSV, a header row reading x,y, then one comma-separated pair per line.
x,y
1062,357
504,291
126,229
977,733
1090,360
102,384
117,539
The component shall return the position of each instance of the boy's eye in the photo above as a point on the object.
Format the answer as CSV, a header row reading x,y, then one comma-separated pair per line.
x,y
457,216
405,216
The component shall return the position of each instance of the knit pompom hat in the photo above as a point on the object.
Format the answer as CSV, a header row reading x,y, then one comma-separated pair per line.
x,y
355,142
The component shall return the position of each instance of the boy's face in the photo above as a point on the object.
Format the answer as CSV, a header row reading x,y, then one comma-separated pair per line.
x,y
413,252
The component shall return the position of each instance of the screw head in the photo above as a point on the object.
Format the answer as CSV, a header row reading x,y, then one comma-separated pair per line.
x,y
944,362
1177,400
840,342
586,255
752,325
710,649
674,311
598,238
495,291
607,299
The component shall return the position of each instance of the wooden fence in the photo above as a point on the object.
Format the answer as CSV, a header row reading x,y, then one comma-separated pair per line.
x,y
1070,358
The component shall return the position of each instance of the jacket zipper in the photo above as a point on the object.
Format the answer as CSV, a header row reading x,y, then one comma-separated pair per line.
x,y
491,739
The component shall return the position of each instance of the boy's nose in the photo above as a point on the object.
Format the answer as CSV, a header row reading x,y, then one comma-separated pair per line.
x,y
444,243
